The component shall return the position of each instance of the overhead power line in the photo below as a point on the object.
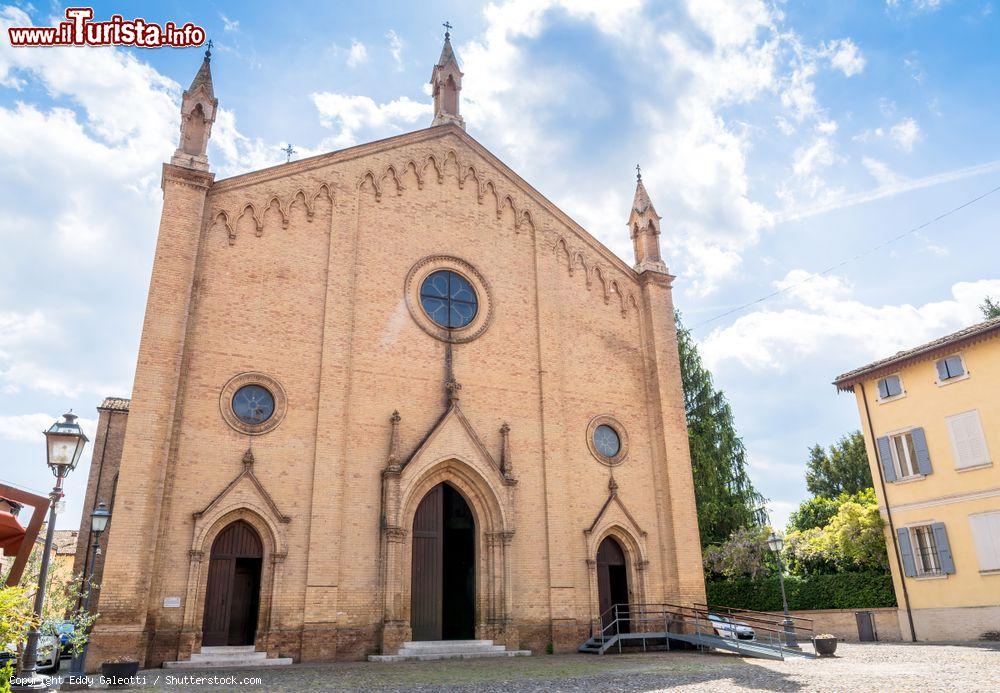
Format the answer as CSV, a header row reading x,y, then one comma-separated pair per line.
x,y
849,260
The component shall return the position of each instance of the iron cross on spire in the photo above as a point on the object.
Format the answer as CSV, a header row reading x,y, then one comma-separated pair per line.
x,y
447,29
638,172
289,150
208,49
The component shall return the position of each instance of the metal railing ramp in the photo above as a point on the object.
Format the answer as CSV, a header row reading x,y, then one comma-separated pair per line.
x,y
661,625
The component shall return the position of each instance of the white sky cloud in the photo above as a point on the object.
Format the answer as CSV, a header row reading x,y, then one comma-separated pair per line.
x,y
357,54
905,134
350,114
823,316
395,48
845,56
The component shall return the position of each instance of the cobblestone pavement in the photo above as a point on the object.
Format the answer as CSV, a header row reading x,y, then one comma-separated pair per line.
x,y
869,667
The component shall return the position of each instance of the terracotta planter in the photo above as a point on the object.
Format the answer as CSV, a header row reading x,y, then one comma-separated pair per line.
x,y
825,647
119,673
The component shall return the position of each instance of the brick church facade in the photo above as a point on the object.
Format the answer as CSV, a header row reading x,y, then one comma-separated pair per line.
x,y
390,393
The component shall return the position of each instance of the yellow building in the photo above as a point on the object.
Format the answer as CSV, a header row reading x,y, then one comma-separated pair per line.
x,y
931,419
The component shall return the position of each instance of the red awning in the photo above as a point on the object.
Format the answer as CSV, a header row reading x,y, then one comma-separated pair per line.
x,y
11,534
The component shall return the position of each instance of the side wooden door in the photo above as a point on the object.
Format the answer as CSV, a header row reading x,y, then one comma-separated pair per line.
x,y
426,567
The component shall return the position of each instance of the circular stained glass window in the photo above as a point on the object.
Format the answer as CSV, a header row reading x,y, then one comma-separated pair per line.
x,y
253,404
606,441
448,299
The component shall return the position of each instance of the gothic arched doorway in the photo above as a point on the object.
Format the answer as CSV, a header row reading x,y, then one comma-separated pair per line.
x,y
232,597
443,574
612,584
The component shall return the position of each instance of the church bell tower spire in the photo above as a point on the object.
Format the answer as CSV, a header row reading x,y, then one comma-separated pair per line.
x,y
446,83
198,110
644,227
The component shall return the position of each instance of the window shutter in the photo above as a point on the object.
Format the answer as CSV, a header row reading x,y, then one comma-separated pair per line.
x,y
943,548
942,369
885,457
955,367
986,532
967,440
920,446
906,552
883,389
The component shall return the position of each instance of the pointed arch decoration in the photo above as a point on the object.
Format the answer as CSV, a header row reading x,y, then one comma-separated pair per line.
x,y
305,197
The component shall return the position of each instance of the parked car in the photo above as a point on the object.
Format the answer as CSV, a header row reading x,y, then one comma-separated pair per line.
x,y
48,655
64,629
728,628
49,649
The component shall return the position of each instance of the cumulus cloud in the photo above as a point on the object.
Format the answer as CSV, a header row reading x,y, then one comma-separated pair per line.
x,y
357,54
905,134
350,114
824,318
845,56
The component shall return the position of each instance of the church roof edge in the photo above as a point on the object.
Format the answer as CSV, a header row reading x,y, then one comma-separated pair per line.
x,y
433,132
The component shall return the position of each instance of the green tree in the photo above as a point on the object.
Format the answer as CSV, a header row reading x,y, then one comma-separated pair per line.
x,y
813,513
725,496
990,308
843,468
852,541
744,554
15,620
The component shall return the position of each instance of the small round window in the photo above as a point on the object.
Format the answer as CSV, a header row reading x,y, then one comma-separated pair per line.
x,y
253,404
606,441
448,299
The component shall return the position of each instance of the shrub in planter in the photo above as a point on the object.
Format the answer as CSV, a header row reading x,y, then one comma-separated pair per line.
x,y
825,644
119,670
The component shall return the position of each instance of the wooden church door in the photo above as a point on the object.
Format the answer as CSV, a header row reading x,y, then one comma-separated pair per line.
x,y
232,595
427,578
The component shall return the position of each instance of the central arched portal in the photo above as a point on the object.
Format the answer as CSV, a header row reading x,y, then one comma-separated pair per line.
x,y
443,575
232,596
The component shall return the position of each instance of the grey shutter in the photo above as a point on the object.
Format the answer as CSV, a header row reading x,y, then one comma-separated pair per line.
x,y
885,457
943,548
906,552
942,369
955,366
883,388
923,455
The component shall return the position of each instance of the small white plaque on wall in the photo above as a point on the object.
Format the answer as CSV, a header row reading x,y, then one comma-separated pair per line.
x,y
171,602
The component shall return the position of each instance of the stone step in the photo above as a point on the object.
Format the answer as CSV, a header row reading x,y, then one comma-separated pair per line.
x,y
429,657
227,649
448,647
226,656
414,644
222,663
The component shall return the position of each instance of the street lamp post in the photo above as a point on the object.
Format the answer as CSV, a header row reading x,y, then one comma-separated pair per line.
x,y
98,523
776,543
64,443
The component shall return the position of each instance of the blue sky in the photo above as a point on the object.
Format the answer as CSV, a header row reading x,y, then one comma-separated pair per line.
x,y
776,140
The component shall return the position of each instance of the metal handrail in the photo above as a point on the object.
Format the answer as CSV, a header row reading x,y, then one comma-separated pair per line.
x,y
770,615
694,616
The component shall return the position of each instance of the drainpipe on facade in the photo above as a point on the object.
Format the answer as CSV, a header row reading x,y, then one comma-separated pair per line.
x,y
888,513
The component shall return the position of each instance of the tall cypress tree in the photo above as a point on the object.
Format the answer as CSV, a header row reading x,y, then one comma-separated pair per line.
x,y
726,498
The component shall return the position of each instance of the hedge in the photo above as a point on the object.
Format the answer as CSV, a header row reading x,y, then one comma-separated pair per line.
x,y
836,591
